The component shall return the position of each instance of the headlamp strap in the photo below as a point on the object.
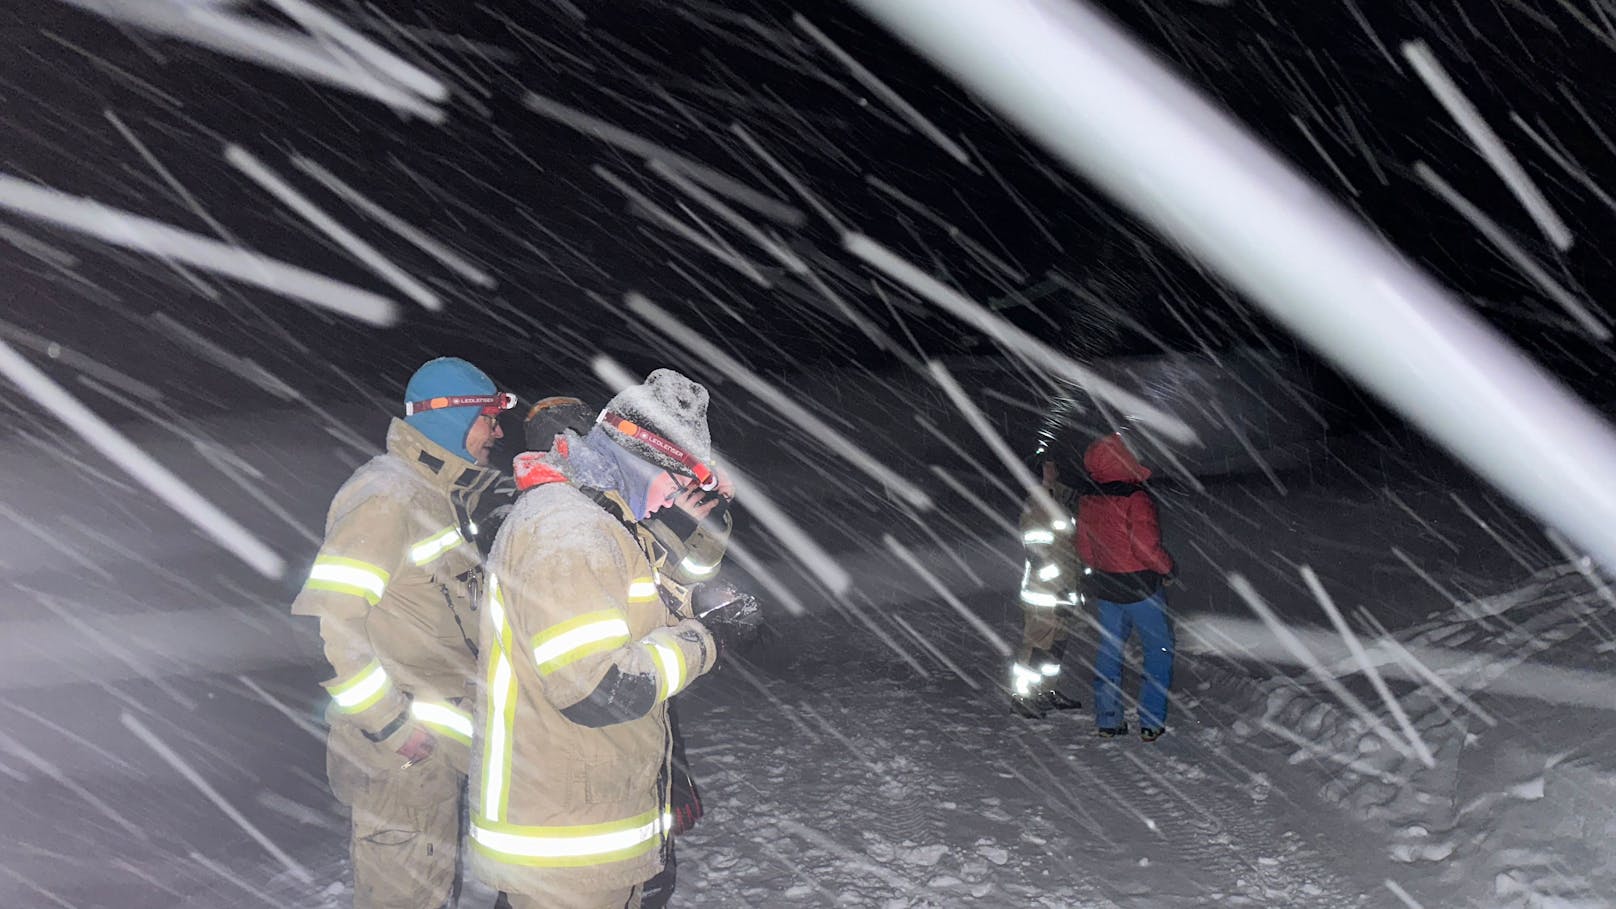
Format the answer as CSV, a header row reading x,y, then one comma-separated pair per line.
x,y
705,478
491,404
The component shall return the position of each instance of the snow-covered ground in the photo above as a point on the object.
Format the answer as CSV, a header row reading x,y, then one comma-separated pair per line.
x,y
160,746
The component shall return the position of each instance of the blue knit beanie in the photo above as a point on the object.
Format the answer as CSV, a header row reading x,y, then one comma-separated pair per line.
x,y
443,377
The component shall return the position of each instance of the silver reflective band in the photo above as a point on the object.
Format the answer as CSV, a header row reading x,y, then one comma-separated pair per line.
x,y
1034,598
1025,679
696,569
562,846
362,688
1060,525
1087,570
442,715
1050,669
1049,572
1038,536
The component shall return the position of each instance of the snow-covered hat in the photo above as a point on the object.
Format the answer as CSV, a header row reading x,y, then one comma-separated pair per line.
x,y
667,408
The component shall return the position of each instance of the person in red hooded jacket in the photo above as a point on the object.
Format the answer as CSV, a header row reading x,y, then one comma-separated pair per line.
x,y
1119,539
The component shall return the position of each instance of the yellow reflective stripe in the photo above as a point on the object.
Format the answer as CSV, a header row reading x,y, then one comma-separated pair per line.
x,y
568,642
695,569
362,690
500,726
499,721
454,723
344,575
670,663
571,846
436,545
496,607
642,590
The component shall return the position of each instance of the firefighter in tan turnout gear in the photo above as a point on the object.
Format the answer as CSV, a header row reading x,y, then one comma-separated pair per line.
x,y
1050,597
396,585
570,783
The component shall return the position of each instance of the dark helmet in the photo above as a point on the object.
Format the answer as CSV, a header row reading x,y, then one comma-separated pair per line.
x,y
551,417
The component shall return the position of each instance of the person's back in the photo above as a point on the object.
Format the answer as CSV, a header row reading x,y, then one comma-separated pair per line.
x,y
1118,529
1119,539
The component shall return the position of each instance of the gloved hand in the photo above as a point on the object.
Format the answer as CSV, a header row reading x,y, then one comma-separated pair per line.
x,y
418,747
733,618
685,800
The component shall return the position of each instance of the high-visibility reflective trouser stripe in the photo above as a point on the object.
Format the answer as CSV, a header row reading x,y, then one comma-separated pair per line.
x,y
571,846
567,642
362,690
340,574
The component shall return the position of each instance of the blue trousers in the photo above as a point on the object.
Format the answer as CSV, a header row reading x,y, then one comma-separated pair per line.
x,y
1117,622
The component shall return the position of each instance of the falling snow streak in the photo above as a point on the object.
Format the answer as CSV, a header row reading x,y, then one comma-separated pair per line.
x,y
34,760
746,228
1522,260
1487,142
885,93
268,45
644,148
715,248
359,249
997,641
153,238
761,388
138,465
1358,653
1299,651
378,58
156,744
1113,112
434,248
1014,339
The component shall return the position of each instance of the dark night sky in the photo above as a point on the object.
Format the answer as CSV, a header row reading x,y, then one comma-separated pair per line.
x,y
517,192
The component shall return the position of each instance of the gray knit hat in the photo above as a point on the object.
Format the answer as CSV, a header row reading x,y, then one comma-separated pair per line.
x,y
669,405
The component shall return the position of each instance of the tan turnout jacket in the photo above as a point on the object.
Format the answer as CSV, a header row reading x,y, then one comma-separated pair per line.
x,y
580,654
395,586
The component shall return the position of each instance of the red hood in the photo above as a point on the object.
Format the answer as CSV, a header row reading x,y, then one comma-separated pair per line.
x,y
1110,461
532,470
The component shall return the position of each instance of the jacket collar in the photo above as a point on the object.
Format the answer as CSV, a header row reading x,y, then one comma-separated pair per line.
x,y
436,464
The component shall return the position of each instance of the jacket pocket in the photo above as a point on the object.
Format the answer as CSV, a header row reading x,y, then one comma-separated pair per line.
x,y
616,782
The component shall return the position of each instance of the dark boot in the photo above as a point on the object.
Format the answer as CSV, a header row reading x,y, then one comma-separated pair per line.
x,y
1027,707
1054,699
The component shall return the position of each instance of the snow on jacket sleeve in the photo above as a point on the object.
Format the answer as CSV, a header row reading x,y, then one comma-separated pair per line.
x,y
577,611
1144,534
364,546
